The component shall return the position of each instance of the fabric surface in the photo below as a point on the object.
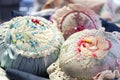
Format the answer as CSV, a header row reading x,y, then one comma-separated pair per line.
x,y
14,74
3,75
74,18
86,55
110,27
29,45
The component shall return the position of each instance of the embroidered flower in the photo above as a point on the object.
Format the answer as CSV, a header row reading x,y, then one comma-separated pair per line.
x,y
18,36
93,46
33,43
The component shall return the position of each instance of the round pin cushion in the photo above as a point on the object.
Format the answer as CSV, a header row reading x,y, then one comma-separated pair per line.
x,y
87,53
31,43
74,18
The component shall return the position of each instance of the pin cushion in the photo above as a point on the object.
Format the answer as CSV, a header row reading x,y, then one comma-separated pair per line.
x,y
88,55
73,18
30,44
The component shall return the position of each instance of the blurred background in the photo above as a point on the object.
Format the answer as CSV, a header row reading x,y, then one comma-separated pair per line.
x,y
106,9
11,8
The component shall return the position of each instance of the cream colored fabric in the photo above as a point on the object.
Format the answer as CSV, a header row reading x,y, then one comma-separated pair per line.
x,y
3,75
75,64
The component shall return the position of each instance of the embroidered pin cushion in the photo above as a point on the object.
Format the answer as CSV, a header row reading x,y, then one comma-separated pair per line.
x,y
88,55
32,44
73,18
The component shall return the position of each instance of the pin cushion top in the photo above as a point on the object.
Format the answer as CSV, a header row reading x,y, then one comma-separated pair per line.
x,y
74,17
32,36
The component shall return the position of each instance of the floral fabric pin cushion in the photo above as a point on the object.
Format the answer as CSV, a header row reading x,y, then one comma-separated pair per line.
x,y
88,55
30,44
74,18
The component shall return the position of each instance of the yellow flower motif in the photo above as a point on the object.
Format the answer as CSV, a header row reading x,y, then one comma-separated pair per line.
x,y
88,41
14,40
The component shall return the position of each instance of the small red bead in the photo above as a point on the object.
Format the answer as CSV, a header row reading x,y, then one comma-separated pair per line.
x,y
37,21
32,20
80,28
